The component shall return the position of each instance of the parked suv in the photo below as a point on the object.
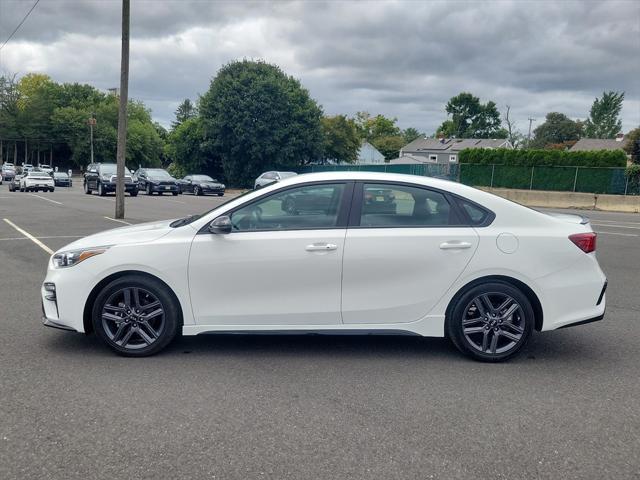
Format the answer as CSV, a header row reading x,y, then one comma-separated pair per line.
x,y
156,180
102,177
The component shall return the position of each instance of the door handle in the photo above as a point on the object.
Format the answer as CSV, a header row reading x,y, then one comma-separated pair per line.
x,y
454,245
321,247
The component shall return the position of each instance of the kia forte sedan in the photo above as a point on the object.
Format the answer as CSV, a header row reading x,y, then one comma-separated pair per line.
x,y
440,259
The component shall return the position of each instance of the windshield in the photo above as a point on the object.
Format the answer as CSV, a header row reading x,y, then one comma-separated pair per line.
x,y
192,218
159,174
203,178
60,175
111,169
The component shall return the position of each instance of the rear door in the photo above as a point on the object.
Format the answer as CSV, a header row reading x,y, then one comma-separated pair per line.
x,y
405,246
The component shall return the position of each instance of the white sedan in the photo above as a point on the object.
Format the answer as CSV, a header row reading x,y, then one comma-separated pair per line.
x,y
348,252
36,180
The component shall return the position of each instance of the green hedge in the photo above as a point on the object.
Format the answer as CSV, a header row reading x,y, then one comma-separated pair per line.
x,y
539,158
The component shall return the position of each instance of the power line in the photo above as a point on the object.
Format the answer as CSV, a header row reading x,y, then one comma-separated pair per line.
x,y
19,25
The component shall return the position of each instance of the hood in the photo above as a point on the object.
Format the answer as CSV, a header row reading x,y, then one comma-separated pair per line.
x,y
141,233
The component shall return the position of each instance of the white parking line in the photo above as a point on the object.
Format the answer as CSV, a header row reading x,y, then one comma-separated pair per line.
x,y
39,238
30,237
621,234
617,222
119,221
611,225
43,198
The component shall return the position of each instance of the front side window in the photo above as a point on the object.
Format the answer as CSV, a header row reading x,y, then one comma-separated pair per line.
x,y
301,208
389,205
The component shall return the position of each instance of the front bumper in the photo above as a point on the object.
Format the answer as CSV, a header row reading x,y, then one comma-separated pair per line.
x,y
212,190
165,188
111,187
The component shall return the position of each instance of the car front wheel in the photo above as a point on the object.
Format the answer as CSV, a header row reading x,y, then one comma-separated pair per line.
x,y
87,190
136,316
491,322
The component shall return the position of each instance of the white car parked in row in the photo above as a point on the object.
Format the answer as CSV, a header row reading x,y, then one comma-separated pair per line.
x,y
35,180
348,252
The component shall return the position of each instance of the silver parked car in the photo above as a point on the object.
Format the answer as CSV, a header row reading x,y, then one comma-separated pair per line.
x,y
267,178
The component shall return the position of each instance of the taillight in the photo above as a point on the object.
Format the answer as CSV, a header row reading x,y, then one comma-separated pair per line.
x,y
584,241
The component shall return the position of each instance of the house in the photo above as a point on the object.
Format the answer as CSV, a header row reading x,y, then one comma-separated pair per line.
x,y
444,150
589,144
369,154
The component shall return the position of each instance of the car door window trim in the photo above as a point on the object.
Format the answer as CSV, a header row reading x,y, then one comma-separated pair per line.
x,y
343,210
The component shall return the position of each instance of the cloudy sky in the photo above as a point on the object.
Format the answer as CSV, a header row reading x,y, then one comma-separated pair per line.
x,y
403,59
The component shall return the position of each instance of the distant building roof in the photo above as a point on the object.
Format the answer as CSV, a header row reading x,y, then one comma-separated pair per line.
x,y
454,144
369,154
587,144
408,159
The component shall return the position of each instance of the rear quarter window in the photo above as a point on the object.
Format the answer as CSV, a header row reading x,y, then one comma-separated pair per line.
x,y
477,216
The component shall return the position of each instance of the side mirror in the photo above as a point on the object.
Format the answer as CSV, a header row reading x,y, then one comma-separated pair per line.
x,y
221,225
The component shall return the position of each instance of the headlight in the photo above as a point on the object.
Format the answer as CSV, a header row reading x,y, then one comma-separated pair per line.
x,y
74,257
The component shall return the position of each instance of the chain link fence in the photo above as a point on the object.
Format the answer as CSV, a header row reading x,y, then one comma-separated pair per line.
x,y
445,171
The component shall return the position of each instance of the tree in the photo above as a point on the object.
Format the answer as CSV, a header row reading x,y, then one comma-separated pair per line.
x,y
471,119
557,129
410,134
604,117
257,118
184,112
632,144
371,128
184,148
515,137
340,139
389,145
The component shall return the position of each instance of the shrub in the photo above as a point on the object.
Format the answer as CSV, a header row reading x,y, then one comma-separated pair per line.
x,y
540,158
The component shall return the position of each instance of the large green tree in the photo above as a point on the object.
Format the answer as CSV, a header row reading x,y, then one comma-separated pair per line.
x,y
184,148
604,117
410,134
556,129
256,118
471,119
340,139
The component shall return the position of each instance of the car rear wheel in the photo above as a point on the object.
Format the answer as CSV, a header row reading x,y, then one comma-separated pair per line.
x,y
133,193
136,316
149,191
175,194
491,322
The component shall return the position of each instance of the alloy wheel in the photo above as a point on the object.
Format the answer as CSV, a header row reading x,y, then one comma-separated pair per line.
x,y
133,318
493,323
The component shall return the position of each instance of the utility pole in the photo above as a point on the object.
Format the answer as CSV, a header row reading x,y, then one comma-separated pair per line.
x,y
122,113
531,120
91,122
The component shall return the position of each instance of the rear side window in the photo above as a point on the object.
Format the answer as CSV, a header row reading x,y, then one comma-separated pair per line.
x,y
391,205
477,216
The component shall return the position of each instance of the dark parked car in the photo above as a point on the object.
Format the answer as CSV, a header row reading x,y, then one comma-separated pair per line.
x,y
379,200
201,185
156,180
102,177
62,179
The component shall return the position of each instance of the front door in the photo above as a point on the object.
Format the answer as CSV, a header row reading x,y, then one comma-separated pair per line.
x,y
280,265
404,251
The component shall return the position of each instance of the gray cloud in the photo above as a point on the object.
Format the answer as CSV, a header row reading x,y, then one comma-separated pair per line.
x,y
402,59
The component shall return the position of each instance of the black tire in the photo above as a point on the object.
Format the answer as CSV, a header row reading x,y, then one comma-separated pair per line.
x,y
196,191
149,191
52,189
220,194
175,194
101,191
168,325
490,336
133,193
87,190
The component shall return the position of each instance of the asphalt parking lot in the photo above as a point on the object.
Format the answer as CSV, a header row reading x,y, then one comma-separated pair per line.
x,y
305,407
